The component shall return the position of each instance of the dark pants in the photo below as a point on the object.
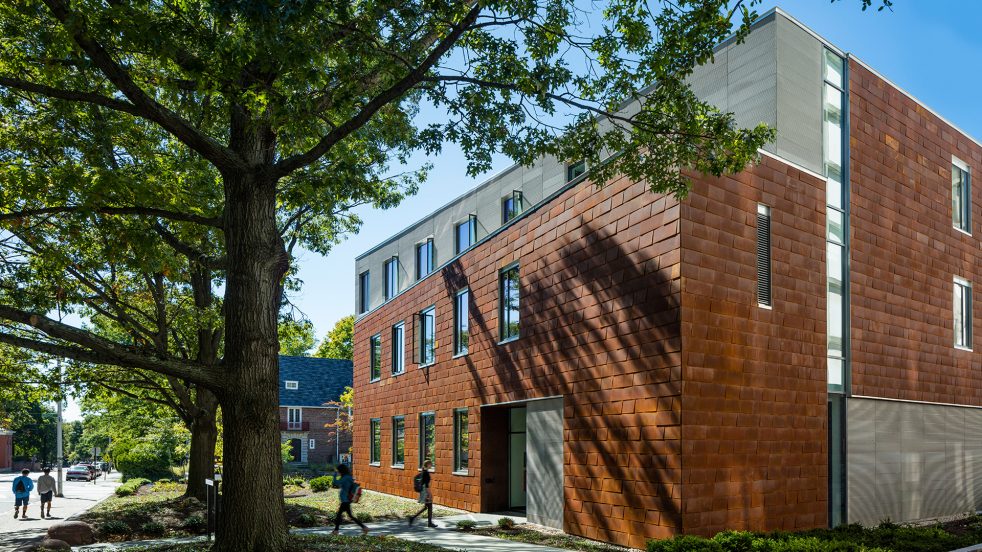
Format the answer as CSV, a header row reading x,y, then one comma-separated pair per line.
x,y
345,508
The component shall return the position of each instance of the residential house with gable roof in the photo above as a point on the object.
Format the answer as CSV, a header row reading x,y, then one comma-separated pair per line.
x,y
309,390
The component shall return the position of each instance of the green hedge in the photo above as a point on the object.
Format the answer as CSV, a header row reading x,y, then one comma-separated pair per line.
x,y
131,485
321,484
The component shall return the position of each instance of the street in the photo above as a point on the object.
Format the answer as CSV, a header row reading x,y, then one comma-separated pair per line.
x,y
79,497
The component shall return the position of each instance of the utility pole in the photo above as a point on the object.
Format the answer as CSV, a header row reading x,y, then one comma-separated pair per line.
x,y
59,460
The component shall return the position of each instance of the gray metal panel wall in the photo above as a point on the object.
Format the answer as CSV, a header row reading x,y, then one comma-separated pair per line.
x,y
544,446
799,95
910,461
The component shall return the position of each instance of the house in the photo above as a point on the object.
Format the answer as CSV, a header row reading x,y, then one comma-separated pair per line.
x,y
6,450
786,348
307,386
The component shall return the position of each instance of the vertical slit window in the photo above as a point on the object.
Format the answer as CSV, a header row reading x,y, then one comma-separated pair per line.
x,y
427,336
398,441
461,441
461,322
364,292
398,348
427,438
375,428
391,274
963,313
375,357
508,307
763,255
961,196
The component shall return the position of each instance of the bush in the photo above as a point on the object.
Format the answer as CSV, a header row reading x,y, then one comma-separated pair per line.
x,y
114,527
296,480
194,524
305,520
466,525
142,459
506,523
131,485
685,543
321,484
735,541
153,528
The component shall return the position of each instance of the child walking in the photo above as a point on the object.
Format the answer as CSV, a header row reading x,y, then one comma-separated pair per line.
x,y
346,488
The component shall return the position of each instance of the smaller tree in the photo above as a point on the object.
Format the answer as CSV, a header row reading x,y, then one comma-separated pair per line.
x,y
296,336
344,423
338,343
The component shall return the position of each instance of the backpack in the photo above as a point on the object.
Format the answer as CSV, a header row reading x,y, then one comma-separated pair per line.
x,y
355,495
20,485
418,482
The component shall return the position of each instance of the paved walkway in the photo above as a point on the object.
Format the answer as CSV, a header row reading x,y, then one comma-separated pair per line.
x,y
445,536
79,497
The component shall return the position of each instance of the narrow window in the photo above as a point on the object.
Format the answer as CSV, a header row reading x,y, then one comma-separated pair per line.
x,y
427,438
427,336
508,295
511,206
424,258
575,170
294,418
963,313
311,445
398,441
465,234
398,348
961,196
375,455
292,385
763,255
375,352
461,322
363,292
461,441
391,274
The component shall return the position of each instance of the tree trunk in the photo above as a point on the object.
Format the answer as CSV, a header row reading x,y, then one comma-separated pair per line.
x,y
252,517
204,435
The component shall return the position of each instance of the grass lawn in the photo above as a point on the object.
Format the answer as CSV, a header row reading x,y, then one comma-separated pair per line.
x,y
311,543
317,509
527,534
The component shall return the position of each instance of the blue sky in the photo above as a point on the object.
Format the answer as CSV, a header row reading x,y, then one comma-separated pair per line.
x,y
929,48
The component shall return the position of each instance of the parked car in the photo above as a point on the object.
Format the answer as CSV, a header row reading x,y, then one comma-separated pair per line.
x,y
80,472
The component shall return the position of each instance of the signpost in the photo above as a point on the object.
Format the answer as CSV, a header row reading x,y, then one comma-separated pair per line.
x,y
214,503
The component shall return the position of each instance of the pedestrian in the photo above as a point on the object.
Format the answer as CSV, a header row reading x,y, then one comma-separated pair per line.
x,y
22,491
46,490
348,492
421,484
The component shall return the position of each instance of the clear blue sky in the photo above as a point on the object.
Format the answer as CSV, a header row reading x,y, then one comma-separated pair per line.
x,y
929,48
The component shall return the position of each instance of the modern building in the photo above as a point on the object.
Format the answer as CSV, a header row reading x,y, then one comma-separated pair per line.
x,y
6,450
310,390
788,347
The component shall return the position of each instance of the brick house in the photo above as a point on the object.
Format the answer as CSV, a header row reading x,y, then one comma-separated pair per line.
x,y
6,450
786,348
307,384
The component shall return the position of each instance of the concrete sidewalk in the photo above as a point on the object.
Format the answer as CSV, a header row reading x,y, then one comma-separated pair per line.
x,y
445,535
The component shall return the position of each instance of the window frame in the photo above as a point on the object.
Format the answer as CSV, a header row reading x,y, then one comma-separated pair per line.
x,y
457,448
517,199
421,317
398,353
375,358
965,198
471,223
311,444
575,169
430,258
459,350
364,291
375,446
390,277
962,336
422,440
291,423
396,439
291,385
502,323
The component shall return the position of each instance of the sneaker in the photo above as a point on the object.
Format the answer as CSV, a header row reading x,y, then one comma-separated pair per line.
x,y
432,525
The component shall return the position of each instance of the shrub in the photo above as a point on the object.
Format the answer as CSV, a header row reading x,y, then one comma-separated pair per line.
x,y
296,480
305,520
506,523
114,527
685,543
466,525
364,517
131,485
194,524
153,528
735,541
321,484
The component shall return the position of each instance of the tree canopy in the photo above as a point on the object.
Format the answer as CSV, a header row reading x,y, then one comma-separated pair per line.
x,y
338,342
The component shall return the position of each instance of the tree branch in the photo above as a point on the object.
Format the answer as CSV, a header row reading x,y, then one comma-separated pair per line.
x,y
193,255
70,95
214,222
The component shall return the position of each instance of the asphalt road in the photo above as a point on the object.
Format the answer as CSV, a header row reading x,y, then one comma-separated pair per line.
x,y
79,497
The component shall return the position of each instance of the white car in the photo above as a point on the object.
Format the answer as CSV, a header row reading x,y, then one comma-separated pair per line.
x,y
80,472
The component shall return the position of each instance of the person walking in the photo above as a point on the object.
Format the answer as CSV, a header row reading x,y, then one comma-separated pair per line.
x,y
421,484
46,490
22,492
347,490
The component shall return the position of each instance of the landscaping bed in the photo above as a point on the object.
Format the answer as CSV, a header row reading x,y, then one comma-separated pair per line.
x,y
317,543
536,534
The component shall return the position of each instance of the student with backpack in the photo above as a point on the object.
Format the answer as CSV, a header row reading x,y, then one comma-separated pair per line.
x,y
22,492
421,484
349,492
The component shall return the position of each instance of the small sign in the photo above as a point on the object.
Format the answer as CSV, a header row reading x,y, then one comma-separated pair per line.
x,y
218,477
210,482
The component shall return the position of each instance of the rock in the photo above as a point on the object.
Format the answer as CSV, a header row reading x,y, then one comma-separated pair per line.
x,y
54,544
75,533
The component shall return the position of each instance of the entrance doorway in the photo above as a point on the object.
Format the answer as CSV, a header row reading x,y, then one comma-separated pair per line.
x,y
295,450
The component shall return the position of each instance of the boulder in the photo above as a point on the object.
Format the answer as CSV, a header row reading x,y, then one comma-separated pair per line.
x,y
54,544
75,533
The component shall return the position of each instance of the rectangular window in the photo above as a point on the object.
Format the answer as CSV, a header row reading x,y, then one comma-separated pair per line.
x,y
311,444
508,299
424,258
461,441
461,322
961,196
427,438
292,385
763,255
575,169
375,354
375,455
511,206
398,348
465,234
391,274
294,418
427,336
398,441
963,313
363,292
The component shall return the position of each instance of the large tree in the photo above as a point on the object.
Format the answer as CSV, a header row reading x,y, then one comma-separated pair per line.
x,y
262,121
338,342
